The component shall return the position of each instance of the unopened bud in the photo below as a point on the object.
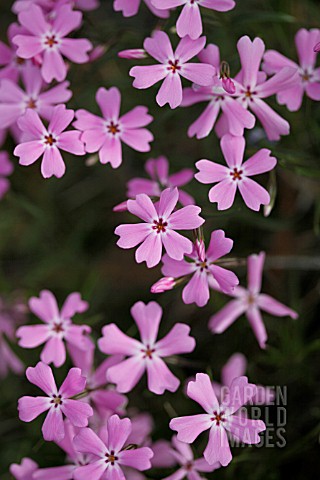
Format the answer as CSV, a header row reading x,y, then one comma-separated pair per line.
x,y
163,285
121,207
228,85
133,54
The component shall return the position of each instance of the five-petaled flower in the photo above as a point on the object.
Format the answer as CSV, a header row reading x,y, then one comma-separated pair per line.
x,y
58,402
145,354
219,418
129,8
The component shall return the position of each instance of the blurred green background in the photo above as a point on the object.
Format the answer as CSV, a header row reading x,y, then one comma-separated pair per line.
x,y
58,234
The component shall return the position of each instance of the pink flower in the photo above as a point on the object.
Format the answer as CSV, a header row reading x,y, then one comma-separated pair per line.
x,y
108,451
9,317
308,80
147,354
236,367
235,117
189,21
14,101
173,65
252,87
219,418
25,470
129,8
236,175
51,5
201,267
104,135
11,65
250,301
57,327
159,228
158,171
51,41
6,169
57,402
48,142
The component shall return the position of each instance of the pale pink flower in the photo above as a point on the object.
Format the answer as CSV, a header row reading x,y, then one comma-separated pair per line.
x,y
236,175
250,301
308,80
173,66
129,8
6,169
189,21
159,227
201,271
145,355
57,328
39,140
108,453
105,134
15,101
25,470
51,40
219,418
235,117
57,402
11,65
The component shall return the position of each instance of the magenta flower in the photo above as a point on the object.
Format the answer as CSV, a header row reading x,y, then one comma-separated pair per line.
x,y
57,328
236,175
51,41
147,354
173,65
108,453
235,117
201,267
6,169
159,228
252,87
308,80
158,171
14,101
189,21
57,402
219,418
25,470
129,8
104,135
250,301
48,142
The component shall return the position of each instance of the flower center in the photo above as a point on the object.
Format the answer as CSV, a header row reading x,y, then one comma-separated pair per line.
x,y
188,466
173,65
202,265
111,457
251,299
148,352
31,103
218,418
236,174
49,140
56,400
57,328
159,225
113,128
20,61
306,76
50,41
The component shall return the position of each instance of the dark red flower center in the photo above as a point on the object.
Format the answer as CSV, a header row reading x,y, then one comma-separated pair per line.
x,y
160,225
113,128
32,103
51,41
173,66
188,466
57,400
58,327
148,352
20,61
49,140
236,174
111,457
218,418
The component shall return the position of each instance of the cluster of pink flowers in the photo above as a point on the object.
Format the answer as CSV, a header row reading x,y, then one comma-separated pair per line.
x,y
88,416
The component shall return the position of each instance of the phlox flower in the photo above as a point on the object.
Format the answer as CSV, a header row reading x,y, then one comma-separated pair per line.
x,y
51,5
15,101
236,175
189,21
159,227
9,317
25,470
105,134
202,269
6,169
236,117
57,402
250,301
219,418
173,66
308,80
39,140
108,453
145,355
51,40
11,65
252,87
129,8
57,327
236,367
